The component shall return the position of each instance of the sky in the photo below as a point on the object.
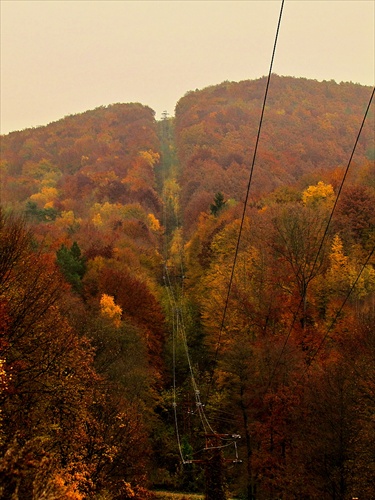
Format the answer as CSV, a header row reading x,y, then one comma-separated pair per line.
x,y
61,57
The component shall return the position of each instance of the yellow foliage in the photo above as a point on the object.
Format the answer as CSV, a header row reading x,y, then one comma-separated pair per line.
x,y
68,216
338,275
108,209
97,220
96,264
321,193
171,194
47,195
109,309
214,285
344,272
224,243
153,222
366,282
150,156
326,121
176,249
338,260
107,213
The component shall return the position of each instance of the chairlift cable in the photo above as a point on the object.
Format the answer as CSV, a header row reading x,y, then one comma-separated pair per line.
x,y
338,312
174,390
245,202
323,238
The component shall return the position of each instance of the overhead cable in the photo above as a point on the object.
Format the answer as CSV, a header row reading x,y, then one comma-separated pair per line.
x,y
323,238
246,200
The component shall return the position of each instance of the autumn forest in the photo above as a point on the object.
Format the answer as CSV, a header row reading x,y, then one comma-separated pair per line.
x,y
174,317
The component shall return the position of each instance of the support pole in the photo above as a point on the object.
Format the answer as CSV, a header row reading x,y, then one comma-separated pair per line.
x,y
214,474
214,466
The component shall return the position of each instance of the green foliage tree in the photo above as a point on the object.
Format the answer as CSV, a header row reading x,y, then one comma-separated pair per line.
x,y
40,214
72,265
218,204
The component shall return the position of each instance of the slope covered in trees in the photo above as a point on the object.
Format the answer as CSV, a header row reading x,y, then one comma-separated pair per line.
x,y
118,237
97,156
308,131
82,327
286,342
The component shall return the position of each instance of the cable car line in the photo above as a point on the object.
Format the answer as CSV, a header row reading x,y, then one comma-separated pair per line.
x,y
179,328
177,313
246,200
175,298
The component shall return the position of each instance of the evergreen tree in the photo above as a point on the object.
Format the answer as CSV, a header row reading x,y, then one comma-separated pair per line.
x,y
217,206
71,264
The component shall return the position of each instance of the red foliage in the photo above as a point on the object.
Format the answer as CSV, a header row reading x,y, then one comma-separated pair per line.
x,y
307,126
138,304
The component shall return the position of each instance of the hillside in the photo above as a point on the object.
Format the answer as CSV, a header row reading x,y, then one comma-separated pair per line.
x,y
121,320
92,157
309,130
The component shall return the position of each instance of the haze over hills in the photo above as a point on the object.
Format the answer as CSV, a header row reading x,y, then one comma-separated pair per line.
x,y
117,237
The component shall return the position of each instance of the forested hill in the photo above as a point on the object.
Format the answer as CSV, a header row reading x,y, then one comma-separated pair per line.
x,y
117,243
106,154
309,129
81,321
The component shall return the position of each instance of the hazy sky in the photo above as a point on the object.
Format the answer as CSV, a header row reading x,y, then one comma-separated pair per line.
x,y
61,57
